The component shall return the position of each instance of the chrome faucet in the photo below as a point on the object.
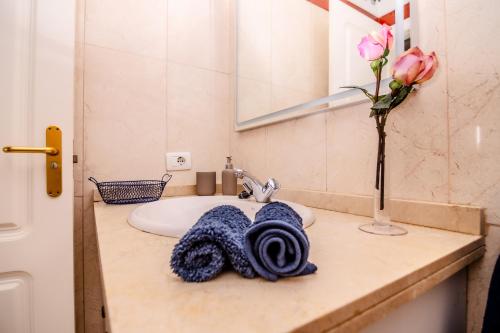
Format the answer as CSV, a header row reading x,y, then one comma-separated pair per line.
x,y
252,186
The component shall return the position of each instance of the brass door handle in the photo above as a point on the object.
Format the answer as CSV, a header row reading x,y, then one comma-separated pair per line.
x,y
42,150
53,156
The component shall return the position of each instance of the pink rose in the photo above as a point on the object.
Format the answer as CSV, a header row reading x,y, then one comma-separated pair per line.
x,y
374,45
413,66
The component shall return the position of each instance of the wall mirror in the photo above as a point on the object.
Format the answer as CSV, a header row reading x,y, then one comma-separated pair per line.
x,y
293,56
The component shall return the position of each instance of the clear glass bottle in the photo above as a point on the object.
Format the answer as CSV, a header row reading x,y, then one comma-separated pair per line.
x,y
381,224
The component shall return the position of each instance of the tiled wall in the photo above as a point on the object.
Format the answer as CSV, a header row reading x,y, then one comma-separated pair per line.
x,y
152,76
474,127
444,141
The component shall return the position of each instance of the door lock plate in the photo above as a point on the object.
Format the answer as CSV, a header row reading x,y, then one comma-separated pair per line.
x,y
53,135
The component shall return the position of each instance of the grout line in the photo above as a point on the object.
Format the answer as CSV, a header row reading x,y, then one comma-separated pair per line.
x,y
326,151
166,60
447,102
166,85
126,52
198,67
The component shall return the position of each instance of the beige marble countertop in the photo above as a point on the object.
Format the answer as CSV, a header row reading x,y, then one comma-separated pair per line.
x,y
360,278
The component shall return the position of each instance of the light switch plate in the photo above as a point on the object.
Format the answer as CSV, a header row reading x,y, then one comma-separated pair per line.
x,y
178,161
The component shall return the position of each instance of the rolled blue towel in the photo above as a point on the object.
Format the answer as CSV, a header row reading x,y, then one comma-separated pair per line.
x,y
276,243
212,244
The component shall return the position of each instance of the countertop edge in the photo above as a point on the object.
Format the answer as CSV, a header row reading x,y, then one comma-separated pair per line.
x,y
351,319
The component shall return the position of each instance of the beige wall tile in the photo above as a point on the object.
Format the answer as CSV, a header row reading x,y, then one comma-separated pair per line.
x,y
222,18
418,145
138,27
474,87
418,128
125,94
248,149
351,150
198,119
296,153
199,33
125,107
190,44
474,95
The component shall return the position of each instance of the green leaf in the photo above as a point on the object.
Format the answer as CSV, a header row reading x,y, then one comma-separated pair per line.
x,y
383,103
401,96
376,65
370,96
388,102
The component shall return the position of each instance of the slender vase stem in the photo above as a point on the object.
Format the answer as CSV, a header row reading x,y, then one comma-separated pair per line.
x,y
382,170
379,78
381,219
380,119
377,177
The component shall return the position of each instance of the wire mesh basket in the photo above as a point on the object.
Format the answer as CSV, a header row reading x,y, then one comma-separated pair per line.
x,y
131,192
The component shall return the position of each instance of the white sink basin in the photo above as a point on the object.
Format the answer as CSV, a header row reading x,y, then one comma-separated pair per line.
x,y
174,216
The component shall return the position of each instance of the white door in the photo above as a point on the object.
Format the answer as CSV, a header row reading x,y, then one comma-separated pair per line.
x,y
36,230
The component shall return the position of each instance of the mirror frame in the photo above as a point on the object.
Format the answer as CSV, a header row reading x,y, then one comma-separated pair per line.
x,y
343,99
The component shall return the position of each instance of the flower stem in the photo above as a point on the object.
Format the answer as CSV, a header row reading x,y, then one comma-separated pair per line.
x,y
380,119
379,78
382,171
377,177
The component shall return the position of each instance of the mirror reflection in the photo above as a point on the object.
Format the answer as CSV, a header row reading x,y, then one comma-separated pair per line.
x,y
291,52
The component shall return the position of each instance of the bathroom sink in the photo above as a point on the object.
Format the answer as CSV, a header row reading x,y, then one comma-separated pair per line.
x,y
174,216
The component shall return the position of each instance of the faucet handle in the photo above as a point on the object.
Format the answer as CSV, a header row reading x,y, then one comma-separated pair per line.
x,y
239,173
273,184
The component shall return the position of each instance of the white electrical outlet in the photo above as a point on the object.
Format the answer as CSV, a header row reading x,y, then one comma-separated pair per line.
x,y
178,161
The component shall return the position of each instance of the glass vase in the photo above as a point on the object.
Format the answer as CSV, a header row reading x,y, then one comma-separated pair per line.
x,y
381,224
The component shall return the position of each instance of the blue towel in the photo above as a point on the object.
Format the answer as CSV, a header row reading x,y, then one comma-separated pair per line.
x,y
212,244
276,243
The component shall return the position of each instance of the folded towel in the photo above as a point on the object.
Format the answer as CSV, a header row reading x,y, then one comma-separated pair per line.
x,y
213,243
276,243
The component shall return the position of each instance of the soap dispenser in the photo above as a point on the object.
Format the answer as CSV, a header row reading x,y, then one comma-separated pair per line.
x,y
229,179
